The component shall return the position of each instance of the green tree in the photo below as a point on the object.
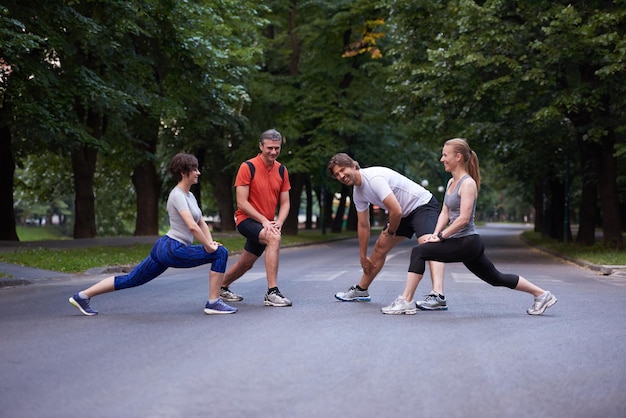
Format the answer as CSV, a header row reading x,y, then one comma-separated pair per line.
x,y
508,76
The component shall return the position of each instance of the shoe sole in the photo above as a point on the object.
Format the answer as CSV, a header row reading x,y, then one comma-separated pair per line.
x,y
216,312
80,308
546,306
439,308
407,312
278,305
231,300
359,299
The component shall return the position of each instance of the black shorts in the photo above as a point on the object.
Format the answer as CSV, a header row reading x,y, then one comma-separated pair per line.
x,y
251,229
421,221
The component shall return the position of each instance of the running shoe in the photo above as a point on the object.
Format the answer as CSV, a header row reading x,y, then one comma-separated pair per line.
x,y
433,302
400,306
229,296
541,304
354,294
275,298
219,307
83,305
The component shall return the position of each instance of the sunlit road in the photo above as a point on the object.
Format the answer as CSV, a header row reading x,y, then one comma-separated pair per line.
x,y
151,352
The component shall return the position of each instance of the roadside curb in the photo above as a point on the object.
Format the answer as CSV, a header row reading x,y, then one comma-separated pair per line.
x,y
605,270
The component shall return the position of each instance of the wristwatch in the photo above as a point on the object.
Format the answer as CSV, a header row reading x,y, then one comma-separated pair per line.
x,y
440,236
390,232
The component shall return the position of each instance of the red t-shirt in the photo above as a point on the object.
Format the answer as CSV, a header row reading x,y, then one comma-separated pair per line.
x,y
265,189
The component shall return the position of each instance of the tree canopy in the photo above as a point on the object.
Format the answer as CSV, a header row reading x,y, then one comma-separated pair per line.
x,y
98,95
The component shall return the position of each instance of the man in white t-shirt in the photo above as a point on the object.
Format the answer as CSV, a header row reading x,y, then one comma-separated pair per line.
x,y
412,211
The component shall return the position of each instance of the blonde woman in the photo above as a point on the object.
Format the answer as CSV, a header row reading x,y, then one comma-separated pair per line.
x,y
455,238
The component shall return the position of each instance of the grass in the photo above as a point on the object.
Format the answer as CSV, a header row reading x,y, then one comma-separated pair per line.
x,y
596,254
82,259
39,233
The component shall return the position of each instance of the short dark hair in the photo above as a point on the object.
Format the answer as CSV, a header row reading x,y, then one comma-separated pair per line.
x,y
183,163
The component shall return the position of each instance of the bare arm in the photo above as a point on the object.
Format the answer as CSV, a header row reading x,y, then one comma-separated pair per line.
x,y
283,212
395,212
363,232
469,194
199,230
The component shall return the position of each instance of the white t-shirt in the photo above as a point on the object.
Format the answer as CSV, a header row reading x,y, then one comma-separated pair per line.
x,y
379,182
177,201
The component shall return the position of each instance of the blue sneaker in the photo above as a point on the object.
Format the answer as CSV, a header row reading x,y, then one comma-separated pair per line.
x,y
83,305
219,307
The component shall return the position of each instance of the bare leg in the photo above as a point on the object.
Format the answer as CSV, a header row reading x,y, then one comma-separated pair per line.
x,y
436,270
242,265
103,286
524,285
436,275
215,283
378,257
412,280
271,258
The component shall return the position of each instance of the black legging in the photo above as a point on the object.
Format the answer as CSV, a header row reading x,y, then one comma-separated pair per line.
x,y
468,250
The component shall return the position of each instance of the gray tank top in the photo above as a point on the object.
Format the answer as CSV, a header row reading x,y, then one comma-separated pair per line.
x,y
453,202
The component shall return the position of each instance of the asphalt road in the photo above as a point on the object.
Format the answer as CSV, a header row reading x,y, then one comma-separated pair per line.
x,y
151,352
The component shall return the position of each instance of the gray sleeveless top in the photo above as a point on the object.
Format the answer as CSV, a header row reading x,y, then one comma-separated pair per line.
x,y
453,202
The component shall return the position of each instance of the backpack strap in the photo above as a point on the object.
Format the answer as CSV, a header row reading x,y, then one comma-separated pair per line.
x,y
252,169
281,170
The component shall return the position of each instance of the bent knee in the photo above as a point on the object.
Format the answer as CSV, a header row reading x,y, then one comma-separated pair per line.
x,y
273,240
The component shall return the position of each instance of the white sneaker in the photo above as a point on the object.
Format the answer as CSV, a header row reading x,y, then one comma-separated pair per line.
x,y
541,304
400,306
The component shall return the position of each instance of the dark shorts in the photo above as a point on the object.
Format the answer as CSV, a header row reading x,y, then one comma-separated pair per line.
x,y
251,229
421,221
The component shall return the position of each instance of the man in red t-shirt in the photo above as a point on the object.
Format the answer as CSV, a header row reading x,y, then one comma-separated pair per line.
x,y
262,185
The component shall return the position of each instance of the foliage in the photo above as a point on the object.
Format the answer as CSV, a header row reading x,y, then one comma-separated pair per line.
x,y
385,80
509,76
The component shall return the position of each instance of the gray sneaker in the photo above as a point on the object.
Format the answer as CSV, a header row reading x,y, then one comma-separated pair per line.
x,y
541,304
354,294
229,296
275,298
400,306
433,302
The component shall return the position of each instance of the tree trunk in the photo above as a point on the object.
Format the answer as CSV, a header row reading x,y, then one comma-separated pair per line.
x,y
7,170
611,220
589,156
539,207
555,209
84,166
308,223
341,209
145,178
223,192
297,181
148,189
327,210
